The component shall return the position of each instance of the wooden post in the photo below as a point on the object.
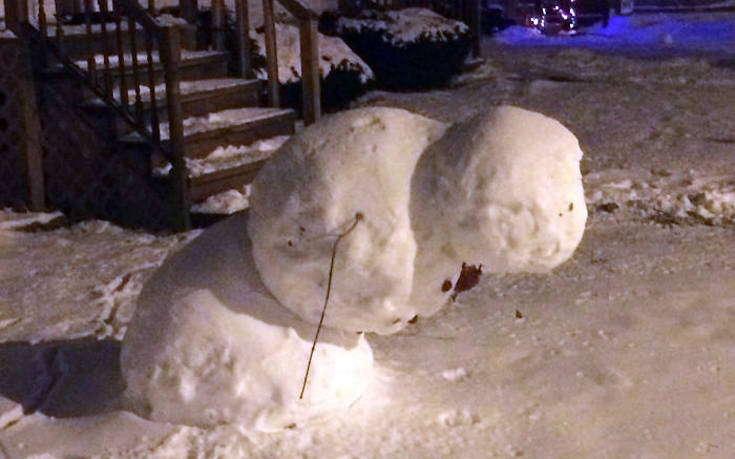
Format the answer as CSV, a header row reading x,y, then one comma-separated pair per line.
x,y
218,24
476,28
271,53
309,43
242,41
30,127
71,7
189,9
16,14
170,53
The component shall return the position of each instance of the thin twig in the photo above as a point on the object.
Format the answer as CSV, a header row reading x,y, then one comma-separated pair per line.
x,y
358,217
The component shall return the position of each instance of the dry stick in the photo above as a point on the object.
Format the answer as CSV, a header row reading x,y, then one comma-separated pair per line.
x,y
358,217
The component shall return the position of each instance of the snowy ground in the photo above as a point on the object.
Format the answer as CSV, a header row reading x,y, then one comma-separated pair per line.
x,y
626,350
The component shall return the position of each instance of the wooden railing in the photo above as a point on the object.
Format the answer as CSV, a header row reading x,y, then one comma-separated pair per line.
x,y
309,49
122,74
467,11
134,66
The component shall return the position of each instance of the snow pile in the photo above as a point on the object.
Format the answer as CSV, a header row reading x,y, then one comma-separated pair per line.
x,y
228,202
334,56
234,155
503,190
226,157
401,27
222,331
359,161
209,345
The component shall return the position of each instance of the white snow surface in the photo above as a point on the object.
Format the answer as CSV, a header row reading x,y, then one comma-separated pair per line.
x,y
209,345
502,190
499,190
228,202
234,155
334,55
354,162
408,25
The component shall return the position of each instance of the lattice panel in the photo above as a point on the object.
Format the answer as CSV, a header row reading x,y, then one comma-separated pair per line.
x,y
13,173
87,176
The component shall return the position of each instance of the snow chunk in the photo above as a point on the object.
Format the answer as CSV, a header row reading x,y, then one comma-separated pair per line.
x,y
227,202
209,345
357,161
457,374
234,155
502,189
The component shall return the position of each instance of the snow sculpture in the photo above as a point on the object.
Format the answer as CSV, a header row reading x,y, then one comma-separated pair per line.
x,y
211,341
503,189
358,161
209,345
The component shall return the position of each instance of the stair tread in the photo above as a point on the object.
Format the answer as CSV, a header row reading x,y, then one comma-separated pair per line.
x,y
71,30
228,159
75,30
187,57
217,121
188,89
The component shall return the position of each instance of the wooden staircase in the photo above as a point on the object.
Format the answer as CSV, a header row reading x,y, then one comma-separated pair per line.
x,y
145,87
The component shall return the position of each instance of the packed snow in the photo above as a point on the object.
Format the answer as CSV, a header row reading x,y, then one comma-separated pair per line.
x,y
504,190
232,156
209,345
356,162
624,350
334,55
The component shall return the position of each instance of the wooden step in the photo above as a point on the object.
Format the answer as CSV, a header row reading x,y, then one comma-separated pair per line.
x,y
225,168
194,65
227,127
204,186
76,43
198,98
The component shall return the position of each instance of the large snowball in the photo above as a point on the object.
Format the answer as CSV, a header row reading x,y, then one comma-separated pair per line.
x,y
503,189
208,344
358,161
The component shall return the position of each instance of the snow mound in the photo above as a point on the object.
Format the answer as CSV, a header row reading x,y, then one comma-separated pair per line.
x,y
209,345
357,161
334,55
502,189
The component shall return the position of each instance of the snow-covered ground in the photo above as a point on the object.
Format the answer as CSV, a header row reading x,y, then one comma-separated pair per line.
x,y
626,350
649,35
